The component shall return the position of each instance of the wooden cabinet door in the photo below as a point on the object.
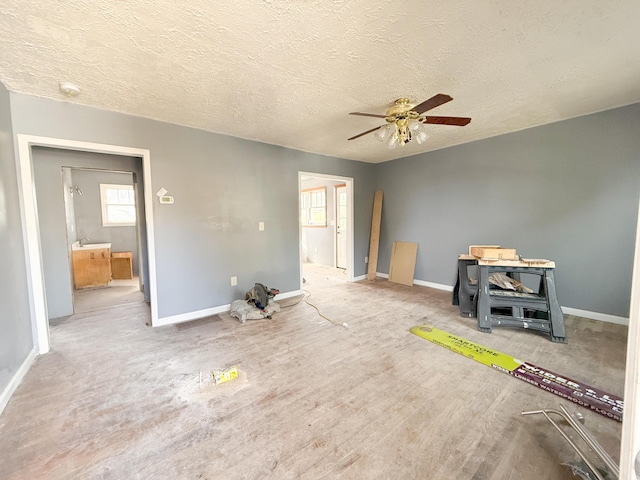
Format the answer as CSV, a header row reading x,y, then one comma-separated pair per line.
x,y
91,268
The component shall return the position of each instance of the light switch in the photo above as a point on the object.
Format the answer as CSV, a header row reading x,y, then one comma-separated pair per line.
x,y
261,226
234,281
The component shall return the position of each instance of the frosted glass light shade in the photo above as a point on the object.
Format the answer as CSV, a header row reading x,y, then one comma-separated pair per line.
x,y
384,132
392,141
420,136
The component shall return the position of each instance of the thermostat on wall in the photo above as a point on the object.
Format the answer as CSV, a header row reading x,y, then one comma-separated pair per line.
x,y
167,199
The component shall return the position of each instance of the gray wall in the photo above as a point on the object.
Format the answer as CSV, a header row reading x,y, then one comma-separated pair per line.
x,y
567,191
223,187
318,243
16,336
48,165
88,212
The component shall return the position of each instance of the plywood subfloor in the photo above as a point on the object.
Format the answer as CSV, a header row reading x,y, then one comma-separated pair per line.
x,y
116,399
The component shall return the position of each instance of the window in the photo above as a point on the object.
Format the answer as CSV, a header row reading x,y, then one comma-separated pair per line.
x,y
118,205
313,207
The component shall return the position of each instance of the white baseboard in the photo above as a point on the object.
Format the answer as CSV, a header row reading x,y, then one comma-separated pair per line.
x,y
17,378
185,317
283,296
359,277
603,317
207,312
422,283
439,286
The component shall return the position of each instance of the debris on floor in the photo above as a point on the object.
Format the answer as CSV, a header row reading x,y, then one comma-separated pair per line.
x,y
256,304
604,469
203,385
244,311
221,376
608,405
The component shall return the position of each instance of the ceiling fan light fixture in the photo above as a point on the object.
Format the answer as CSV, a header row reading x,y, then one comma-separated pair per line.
x,y
406,121
392,140
403,131
421,135
384,132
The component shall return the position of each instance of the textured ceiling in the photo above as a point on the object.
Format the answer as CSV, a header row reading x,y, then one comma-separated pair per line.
x,y
288,72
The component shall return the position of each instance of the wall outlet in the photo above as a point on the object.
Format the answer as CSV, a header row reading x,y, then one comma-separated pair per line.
x,y
234,281
261,226
366,259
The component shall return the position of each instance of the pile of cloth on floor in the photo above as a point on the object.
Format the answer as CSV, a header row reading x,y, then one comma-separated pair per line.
x,y
256,304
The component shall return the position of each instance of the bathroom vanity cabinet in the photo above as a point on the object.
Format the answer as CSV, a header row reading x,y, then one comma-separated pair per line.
x,y
91,265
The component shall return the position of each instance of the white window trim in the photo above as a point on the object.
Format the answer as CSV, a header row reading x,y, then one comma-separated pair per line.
x,y
103,204
308,193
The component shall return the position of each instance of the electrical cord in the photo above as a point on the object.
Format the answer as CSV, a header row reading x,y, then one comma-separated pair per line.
x,y
293,304
306,300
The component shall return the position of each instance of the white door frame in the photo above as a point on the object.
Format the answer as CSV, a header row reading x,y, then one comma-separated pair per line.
x,y
630,441
348,181
31,229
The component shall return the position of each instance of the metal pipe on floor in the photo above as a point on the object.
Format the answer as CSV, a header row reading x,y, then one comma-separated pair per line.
x,y
585,435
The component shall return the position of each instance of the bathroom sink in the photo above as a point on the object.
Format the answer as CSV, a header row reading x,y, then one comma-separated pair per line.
x,y
89,246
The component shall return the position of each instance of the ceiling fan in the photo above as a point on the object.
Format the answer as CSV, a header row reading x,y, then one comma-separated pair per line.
x,y
405,121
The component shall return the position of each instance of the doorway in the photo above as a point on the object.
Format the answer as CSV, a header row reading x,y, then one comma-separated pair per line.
x,y
35,246
101,209
77,239
326,219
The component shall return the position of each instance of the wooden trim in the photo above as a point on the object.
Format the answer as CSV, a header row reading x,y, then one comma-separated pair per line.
x,y
314,226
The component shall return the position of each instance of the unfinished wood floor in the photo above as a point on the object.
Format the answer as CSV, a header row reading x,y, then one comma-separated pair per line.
x,y
119,292
118,400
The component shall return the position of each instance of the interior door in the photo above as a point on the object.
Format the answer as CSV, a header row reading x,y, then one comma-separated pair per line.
x,y
341,226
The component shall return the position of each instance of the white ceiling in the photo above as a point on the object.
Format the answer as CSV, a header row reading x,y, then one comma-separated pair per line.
x,y
288,72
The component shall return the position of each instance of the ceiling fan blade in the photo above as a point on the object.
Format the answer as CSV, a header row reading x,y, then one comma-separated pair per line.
x,y
433,102
368,115
364,133
458,121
